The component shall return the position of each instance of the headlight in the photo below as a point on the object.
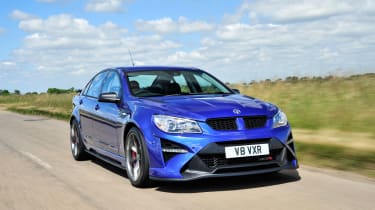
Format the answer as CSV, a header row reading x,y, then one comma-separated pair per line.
x,y
280,119
176,125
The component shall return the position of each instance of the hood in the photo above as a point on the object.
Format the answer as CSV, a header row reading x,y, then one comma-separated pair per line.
x,y
203,107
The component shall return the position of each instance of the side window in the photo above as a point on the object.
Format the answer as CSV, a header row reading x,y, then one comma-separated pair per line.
x,y
180,80
84,92
144,81
94,89
112,84
206,84
138,82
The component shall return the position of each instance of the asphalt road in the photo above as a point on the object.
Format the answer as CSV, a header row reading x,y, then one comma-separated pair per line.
x,y
38,172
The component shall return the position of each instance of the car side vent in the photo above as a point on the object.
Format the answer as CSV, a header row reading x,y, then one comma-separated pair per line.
x,y
222,123
171,149
255,121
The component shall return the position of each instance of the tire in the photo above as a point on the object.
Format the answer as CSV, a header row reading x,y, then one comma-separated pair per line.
x,y
76,145
136,157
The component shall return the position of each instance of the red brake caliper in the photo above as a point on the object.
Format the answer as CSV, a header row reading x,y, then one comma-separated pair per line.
x,y
134,157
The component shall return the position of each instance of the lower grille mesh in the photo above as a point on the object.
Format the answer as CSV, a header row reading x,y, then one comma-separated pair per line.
x,y
212,158
214,161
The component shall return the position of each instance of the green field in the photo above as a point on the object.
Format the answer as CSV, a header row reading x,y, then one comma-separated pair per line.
x,y
342,104
53,105
345,103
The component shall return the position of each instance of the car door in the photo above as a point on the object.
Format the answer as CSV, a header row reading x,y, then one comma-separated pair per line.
x,y
109,116
87,108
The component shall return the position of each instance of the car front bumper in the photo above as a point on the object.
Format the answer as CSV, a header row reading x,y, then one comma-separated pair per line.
x,y
210,160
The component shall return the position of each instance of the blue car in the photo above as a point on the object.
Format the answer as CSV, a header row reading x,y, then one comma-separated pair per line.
x,y
177,124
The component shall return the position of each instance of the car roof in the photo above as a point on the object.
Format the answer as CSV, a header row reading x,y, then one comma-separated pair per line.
x,y
156,68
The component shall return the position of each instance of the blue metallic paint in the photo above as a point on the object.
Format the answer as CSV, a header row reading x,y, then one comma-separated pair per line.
x,y
113,119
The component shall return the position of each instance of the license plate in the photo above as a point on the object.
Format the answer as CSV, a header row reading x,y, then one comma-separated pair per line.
x,y
247,150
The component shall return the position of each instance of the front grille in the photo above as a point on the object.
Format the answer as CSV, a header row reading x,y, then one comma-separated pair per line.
x,y
222,123
218,160
255,121
248,168
228,124
212,159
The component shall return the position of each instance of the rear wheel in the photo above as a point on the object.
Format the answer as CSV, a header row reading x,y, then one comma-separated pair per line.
x,y
76,145
137,161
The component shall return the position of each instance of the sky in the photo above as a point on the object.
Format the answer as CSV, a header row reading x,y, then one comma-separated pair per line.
x,y
63,43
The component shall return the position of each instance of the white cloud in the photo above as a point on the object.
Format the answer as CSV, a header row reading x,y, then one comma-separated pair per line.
x,y
78,72
64,43
168,25
186,26
163,25
6,67
20,15
58,25
328,54
2,30
275,39
185,58
299,10
105,5
7,63
262,39
257,34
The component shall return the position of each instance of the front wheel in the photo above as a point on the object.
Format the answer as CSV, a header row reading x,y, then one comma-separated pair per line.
x,y
137,161
76,145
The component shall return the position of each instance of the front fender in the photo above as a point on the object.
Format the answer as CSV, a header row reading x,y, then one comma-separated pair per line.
x,y
75,112
142,118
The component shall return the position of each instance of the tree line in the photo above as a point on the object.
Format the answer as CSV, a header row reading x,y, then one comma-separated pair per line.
x,y
290,79
49,91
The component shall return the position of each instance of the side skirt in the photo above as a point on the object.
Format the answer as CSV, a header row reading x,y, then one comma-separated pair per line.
x,y
106,159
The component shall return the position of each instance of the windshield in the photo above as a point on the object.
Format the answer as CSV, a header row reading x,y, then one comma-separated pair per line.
x,y
160,83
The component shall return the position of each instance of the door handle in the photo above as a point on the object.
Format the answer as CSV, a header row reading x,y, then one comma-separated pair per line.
x,y
97,107
80,102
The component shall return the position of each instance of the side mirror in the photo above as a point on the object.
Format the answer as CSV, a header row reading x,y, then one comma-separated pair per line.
x,y
236,91
78,91
109,97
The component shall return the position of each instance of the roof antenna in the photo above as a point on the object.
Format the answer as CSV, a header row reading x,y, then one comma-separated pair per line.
x,y
131,57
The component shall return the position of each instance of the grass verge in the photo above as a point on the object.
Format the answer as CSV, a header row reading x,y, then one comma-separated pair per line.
x,y
58,106
33,111
337,157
